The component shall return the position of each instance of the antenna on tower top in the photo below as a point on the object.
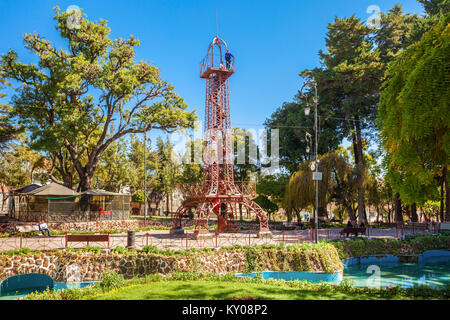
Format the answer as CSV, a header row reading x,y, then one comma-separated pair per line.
x,y
217,23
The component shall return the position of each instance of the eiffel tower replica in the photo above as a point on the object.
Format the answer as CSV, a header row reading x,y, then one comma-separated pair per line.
x,y
218,193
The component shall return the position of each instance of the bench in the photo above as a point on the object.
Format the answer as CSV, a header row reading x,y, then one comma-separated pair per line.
x,y
445,226
27,228
87,238
416,226
355,231
290,225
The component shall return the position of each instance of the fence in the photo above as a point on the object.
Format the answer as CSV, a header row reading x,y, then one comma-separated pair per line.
x,y
163,240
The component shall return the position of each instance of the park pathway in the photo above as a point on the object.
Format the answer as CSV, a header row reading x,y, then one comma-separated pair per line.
x,y
163,240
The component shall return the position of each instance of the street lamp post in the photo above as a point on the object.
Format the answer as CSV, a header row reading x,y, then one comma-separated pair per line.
x,y
316,235
316,175
145,176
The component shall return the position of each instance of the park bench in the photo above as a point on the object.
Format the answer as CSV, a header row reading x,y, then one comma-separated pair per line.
x,y
416,226
87,238
387,224
354,231
289,225
27,228
445,226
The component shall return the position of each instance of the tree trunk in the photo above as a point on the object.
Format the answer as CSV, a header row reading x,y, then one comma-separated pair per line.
x,y
398,209
441,207
241,217
167,204
3,198
85,182
414,216
359,162
389,213
322,214
297,213
447,196
351,213
60,161
289,214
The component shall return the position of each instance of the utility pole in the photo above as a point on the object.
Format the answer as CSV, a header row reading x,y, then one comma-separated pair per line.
x,y
145,176
316,235
317,176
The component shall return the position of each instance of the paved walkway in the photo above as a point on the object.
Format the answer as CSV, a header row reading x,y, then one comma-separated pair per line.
x,y
163,240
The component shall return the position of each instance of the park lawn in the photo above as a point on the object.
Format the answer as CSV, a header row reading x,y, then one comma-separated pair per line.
x,y
224,290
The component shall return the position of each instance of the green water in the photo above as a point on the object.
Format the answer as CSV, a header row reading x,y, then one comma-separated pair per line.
x,y
435,274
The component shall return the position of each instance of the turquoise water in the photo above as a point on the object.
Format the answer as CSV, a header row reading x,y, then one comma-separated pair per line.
x,y
56,286
433,273
313,277
432,270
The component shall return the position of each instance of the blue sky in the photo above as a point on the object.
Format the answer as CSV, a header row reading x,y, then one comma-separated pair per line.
x,y
272,41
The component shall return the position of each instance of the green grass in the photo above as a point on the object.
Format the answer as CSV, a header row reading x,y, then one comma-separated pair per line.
x,y
223,290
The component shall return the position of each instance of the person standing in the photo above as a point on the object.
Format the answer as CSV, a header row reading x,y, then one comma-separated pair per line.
x,y
228,57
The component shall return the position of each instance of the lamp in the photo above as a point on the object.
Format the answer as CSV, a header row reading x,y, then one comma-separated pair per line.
x,y
307,110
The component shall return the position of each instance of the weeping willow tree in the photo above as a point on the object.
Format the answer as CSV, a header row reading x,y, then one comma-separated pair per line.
x,y
338,185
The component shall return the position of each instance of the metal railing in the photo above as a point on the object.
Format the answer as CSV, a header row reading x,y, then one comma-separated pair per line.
x,y
206,63
163,240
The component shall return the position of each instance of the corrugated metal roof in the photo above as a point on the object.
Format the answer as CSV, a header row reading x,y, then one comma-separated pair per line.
x,y
26,188
98,192
53,189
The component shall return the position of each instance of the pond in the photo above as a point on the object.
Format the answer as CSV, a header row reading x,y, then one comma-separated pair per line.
x,y
20,286
432,269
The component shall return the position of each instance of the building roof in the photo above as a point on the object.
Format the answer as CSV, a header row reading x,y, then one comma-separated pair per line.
x,y
26,188
53,189
98,192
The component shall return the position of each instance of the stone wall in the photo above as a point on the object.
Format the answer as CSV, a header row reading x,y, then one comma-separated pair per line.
x,y
79,267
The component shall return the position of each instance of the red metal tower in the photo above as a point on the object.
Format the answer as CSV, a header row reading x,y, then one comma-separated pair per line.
x,y
218,193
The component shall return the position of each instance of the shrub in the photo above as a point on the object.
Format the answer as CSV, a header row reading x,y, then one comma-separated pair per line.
x,y
18,252
120,250
93,249
112,280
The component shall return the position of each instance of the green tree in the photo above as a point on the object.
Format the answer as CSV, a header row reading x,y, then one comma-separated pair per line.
x,y
435,7
356,72
165,171
18,164
294,126
192,171
7,130
413,116
267,205
395,33
114,169
86,97
138,197
273,187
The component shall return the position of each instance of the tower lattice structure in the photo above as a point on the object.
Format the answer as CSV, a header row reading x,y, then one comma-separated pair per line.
x,y
218,193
